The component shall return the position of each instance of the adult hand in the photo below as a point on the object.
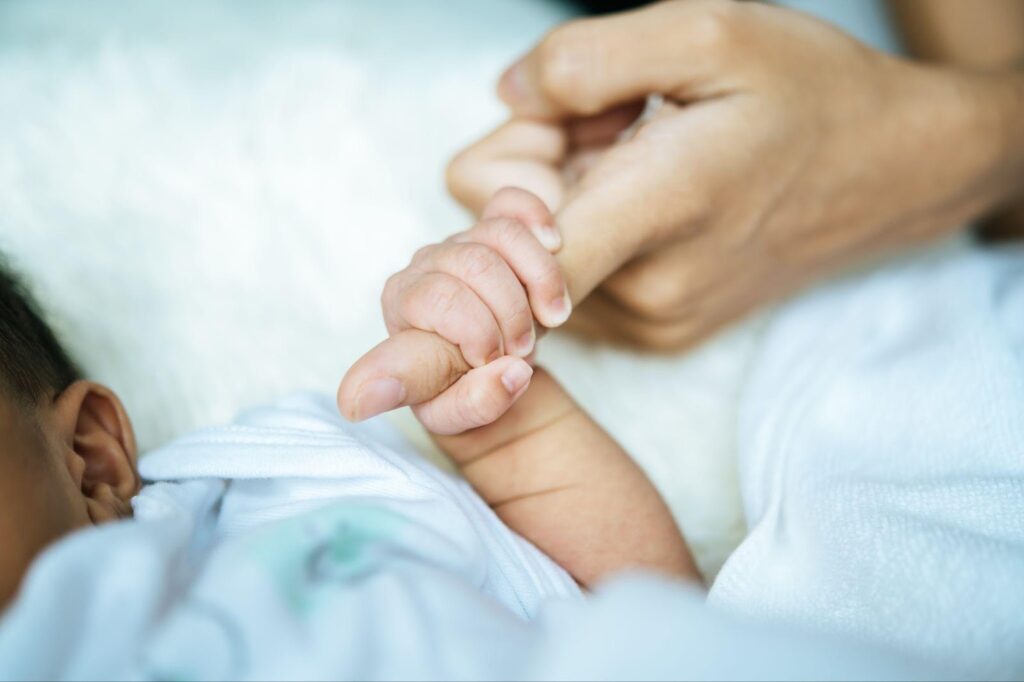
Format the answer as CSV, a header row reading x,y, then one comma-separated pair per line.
x,y
785,149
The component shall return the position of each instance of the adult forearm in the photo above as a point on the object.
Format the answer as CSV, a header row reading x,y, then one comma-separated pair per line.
x,y
982,35
957,137
1012,117
1004,101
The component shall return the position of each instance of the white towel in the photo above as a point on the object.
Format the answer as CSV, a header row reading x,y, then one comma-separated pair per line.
x,y
882,463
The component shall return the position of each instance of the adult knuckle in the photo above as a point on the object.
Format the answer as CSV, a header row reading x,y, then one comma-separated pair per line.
x,y
716,26
649,294
565,54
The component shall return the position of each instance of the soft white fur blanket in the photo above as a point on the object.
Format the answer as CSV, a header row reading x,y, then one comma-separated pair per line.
x,y
208,197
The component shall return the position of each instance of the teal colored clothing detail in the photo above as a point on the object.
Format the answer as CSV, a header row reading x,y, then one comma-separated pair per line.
x,y
340,543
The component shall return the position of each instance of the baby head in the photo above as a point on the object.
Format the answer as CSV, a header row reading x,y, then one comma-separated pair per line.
x,y
67,450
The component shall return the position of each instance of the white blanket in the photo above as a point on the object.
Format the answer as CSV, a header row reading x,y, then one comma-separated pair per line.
x,y
882,463
293,545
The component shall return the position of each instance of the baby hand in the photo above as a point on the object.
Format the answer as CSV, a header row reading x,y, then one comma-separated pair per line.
x,y
461,321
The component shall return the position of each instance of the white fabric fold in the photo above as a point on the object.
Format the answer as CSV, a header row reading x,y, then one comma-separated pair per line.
x,y
882,463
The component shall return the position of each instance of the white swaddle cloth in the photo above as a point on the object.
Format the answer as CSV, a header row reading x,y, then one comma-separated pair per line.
x,y
300,454
882,463
289,544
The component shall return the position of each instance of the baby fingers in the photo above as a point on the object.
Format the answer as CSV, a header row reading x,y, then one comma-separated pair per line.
x,y
532,264
438,302
526,208
421,369
486,273
478,398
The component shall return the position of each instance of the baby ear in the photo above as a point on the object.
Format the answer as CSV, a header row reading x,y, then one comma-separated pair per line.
x,y
100,448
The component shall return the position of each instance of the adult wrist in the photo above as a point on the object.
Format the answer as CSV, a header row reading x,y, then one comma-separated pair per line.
x,y
971,154
1007,221
998,125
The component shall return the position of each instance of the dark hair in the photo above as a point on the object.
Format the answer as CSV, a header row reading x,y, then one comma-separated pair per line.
x,y
33,365
606,6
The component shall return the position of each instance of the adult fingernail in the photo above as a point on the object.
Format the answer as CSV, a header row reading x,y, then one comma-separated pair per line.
x,y
560,309
380,395
515,378
548,236
524,345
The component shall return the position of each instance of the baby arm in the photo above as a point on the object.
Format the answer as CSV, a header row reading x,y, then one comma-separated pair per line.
x,y
558,479
462,321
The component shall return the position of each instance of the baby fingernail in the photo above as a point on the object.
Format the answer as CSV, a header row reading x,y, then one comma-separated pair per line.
x,y
561,308
524,345
548,236
380,395
516,377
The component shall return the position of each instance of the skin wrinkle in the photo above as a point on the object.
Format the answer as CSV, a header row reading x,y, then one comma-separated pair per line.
x,y
567,486
500,505
478,457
